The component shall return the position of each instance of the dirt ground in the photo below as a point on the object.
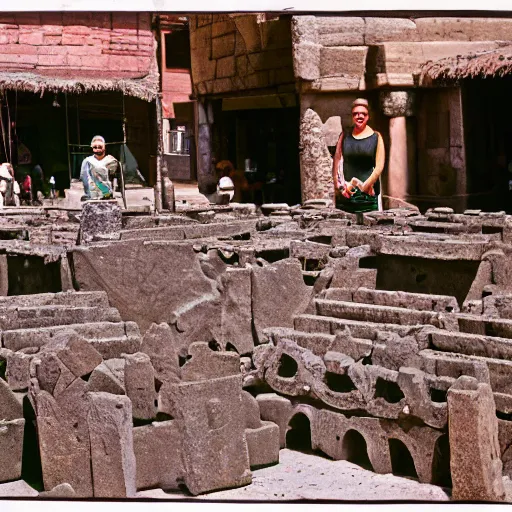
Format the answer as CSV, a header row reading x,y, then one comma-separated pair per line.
x,y
311,477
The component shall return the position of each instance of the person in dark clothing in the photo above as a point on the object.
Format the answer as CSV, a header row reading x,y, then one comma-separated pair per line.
x,y
358,163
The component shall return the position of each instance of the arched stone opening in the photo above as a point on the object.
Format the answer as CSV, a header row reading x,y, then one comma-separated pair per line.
x,y
298,436
402,463
287,366
354,449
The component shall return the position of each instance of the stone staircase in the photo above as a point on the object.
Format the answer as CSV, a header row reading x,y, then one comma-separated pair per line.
x,y
28,322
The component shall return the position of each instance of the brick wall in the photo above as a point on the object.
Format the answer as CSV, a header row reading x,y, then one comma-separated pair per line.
x,y
239,52
176,87
71,43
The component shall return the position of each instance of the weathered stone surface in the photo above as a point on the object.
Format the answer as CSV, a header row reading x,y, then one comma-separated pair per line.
x,y
475,462
103,378
18,370
398,103
306,60
279,293
100,220
156,290
316,162
223,46
340,30
160,345
378,30
158,450
236,313
112,457
10,408
65,458
206,364
139,381
79,357
263,444
215,452
304,28
276,409
343,60
11,447
59,491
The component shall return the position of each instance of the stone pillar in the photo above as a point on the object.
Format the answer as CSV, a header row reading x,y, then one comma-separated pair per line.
x,y
398,105
315,160
475,463
205,174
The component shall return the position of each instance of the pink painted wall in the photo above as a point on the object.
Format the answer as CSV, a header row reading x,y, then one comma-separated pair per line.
x,y
66,44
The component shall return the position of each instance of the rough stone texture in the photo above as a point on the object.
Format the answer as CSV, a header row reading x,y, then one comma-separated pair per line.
x,y
263,444
206,364
158,450
343,60
337,31
112,457
236,314
158,344
18,370
315,160
108,377
10,408
215,452
156,290
476,466
79,357
276,409
59,491
279,293
398,103
100,220
65,457
306,61
139,382
11,447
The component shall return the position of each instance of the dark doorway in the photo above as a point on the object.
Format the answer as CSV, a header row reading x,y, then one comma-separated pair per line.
x,y
487,109
29,274
263,144
441,473
298,436
354,449
402,463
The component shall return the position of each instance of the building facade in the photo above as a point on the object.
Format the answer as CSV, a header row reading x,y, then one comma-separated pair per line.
x,y
443,148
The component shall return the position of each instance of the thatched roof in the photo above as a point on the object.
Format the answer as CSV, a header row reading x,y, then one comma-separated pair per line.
x,y
491,63
144,88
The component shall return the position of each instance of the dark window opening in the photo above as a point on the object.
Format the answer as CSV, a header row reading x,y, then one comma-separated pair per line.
x,y
441,474
491,230
320,239
231,348
177,49
388,390
368,262
214,346
339,383
298,436
402,463
354,449
438,395
504,416
273,255
287,366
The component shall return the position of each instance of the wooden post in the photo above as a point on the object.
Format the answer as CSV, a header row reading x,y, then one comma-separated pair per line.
x,y
159,154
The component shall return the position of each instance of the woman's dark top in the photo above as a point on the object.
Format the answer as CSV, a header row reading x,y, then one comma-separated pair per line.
x,y
359,158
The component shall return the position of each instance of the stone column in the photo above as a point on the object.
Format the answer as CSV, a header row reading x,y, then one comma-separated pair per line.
x,y
205,175
398,105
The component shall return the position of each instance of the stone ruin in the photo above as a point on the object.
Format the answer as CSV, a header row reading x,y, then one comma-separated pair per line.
x,y
182,351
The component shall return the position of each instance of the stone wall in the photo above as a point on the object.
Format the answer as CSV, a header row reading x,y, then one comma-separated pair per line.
x,y
337,53
239,52
67,43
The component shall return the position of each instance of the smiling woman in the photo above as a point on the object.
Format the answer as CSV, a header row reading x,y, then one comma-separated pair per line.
x,y
358,164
